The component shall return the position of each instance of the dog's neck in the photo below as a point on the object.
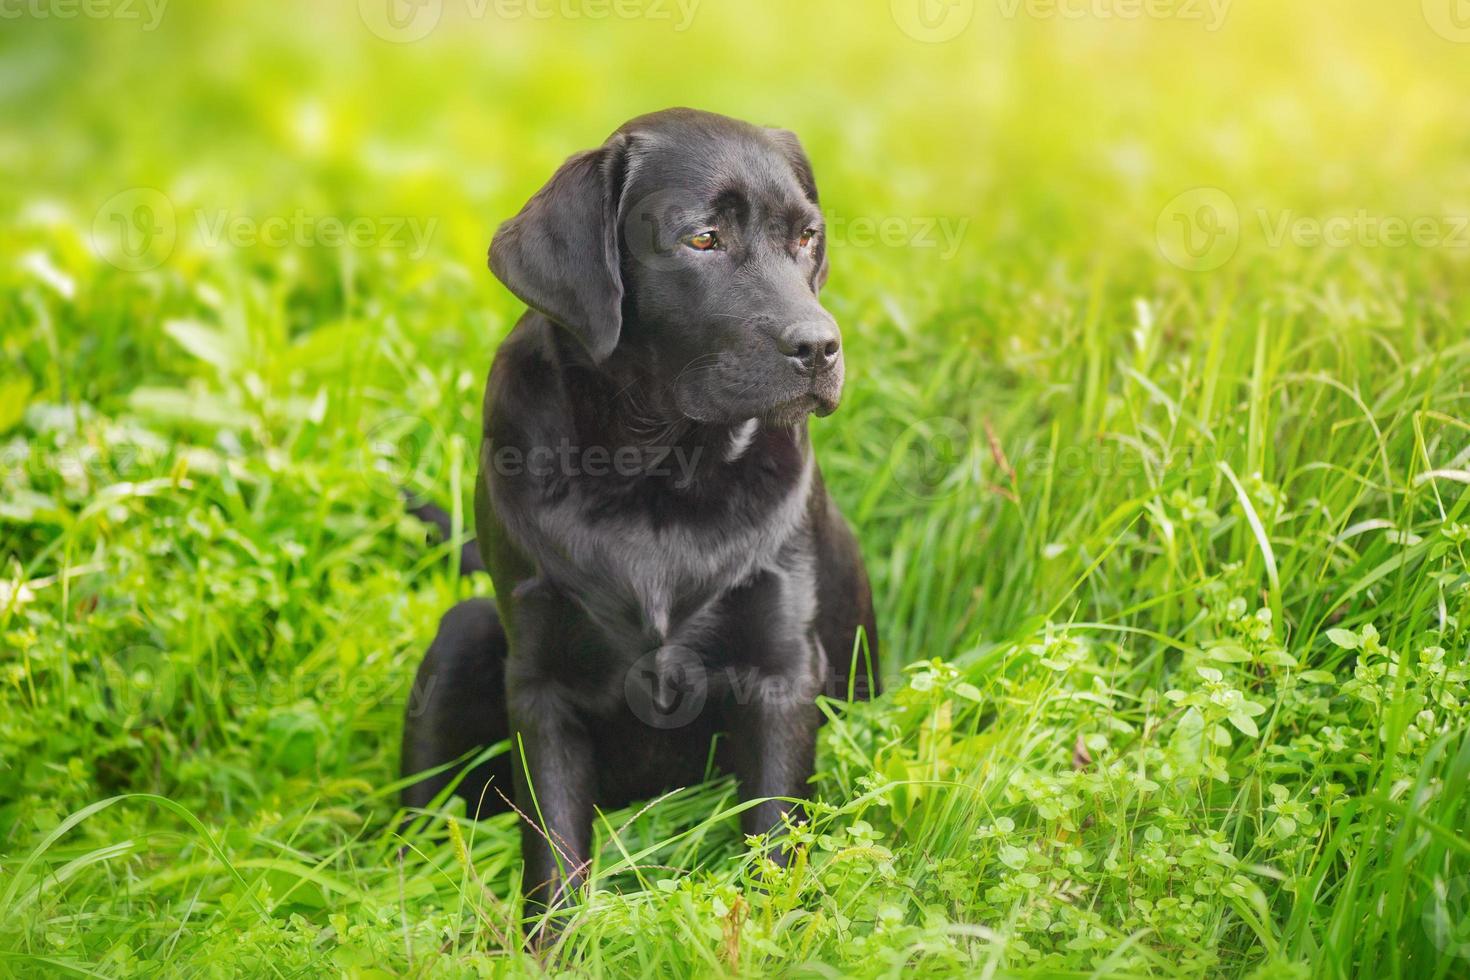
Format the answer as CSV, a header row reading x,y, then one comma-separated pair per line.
x,y
619,405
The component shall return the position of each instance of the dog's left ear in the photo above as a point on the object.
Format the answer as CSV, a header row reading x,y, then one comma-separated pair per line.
x,y
560,254
802,166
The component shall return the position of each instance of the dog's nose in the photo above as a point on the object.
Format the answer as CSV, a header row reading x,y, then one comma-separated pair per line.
x,y
813,346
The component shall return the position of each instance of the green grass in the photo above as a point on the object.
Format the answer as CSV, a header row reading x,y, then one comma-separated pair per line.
x,y
1171,565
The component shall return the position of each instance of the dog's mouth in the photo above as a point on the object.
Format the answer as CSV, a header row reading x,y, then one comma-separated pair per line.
x,y
825,403
793,410
777,404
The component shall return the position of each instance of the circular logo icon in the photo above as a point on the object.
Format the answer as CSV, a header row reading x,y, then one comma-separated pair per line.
x,y
141,683
135,229
932,457
932,21
666,688
1199,230
1450,19
393,456
400,21
1447,918
652,226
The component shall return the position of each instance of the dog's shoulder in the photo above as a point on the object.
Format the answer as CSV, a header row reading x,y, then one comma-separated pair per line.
x,y
525,390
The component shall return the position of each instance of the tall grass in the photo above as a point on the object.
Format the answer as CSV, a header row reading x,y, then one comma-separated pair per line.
x,y
1171,564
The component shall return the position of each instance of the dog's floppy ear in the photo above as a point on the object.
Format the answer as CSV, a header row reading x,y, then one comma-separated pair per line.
x,y
560,254
802,166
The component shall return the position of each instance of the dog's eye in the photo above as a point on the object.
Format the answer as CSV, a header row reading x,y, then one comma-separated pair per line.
x,y
703,242
807,236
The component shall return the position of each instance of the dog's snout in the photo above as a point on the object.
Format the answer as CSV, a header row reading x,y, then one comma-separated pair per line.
x,y
813,346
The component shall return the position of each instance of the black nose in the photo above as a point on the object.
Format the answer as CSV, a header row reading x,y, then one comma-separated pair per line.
x,y
812,346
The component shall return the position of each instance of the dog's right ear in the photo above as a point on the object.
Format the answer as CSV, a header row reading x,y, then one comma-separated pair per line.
x,y
560,254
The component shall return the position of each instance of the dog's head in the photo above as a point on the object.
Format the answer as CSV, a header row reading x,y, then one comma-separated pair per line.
x,y
688,249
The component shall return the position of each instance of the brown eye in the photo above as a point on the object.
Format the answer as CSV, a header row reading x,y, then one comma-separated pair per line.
x,y
703,242
807,236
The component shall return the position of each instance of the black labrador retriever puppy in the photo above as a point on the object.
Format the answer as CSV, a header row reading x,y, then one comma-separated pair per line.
x,y
667,563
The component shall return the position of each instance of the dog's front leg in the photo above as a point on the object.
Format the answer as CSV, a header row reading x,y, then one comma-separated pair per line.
x,y
555,785
774,735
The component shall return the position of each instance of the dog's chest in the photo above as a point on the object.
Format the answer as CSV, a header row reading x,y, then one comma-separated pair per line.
x,y
644,581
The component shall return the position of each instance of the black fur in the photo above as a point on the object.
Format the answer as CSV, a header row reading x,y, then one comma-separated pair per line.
x,y
667,562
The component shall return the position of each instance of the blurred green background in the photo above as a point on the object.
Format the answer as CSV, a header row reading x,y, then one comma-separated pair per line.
x,y
1156,312
1036,123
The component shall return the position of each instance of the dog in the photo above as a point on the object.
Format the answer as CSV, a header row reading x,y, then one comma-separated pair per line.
x,y
673,583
